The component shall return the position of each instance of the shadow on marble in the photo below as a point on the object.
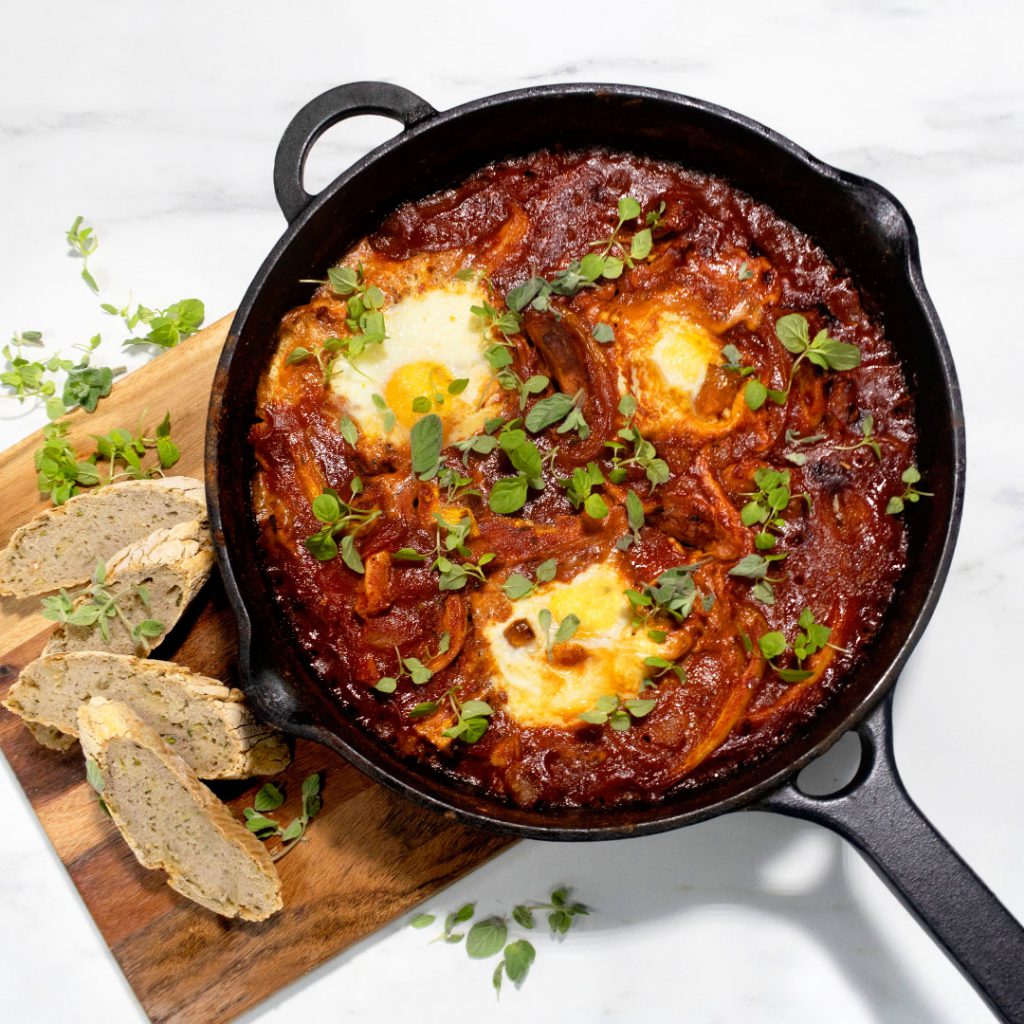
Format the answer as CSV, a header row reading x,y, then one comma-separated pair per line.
x,y
773,866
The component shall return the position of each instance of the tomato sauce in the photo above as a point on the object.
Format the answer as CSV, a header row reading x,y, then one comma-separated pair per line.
x,y
739,268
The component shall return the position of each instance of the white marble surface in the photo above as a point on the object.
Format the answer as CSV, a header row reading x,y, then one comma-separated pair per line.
x,y
159,122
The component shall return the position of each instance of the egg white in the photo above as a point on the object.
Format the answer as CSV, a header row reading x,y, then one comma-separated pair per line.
x,y
664,366
432,340
543,692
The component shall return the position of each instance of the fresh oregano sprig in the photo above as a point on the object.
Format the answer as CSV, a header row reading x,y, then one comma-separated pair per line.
x,y
867,440
755,567
644,454
823,351
83,243
673,593
61,474
414,668
768,503
339,517
566,629
94,607
489,936
611,709
910,476
270,798
518,586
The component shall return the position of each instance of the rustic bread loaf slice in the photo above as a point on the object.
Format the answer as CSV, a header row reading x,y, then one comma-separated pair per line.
x,y
152,580
171,820
206,723
59,547
51,738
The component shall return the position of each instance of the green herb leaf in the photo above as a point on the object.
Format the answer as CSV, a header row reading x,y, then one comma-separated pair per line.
x,y
603,333
269,798
629,208
640,247
519,958
486,938
508,494
548,411
517,586
523,916
422,920
772,645
425,441
348,430
93,775
792,331
754,394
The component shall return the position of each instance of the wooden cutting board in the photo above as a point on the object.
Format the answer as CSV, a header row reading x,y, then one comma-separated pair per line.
x,y
370,855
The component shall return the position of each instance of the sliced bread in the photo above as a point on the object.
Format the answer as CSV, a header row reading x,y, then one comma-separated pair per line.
x,y
59,547
171,820
51,738
151,580
206,723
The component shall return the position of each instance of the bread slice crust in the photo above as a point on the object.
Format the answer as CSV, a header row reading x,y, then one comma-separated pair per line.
x,y
205,722
173,822
171,564
59,547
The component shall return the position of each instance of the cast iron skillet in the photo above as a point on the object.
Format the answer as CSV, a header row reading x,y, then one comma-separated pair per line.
x,y
867,232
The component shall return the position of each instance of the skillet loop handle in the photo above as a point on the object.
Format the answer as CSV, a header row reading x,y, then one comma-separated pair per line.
x,y
338,104
875,813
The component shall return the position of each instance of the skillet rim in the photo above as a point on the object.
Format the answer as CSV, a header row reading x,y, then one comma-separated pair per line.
x,y
429,788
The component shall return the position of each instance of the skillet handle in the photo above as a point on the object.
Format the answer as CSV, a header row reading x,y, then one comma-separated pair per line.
x,y
875,813
337,104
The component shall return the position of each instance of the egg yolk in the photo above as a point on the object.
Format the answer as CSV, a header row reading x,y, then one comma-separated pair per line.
x,y
409,382
597,601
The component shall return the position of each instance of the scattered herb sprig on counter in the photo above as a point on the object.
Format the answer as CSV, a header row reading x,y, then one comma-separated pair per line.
x,y
83,242
167,327
62,474
489,936
270,798
27,378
